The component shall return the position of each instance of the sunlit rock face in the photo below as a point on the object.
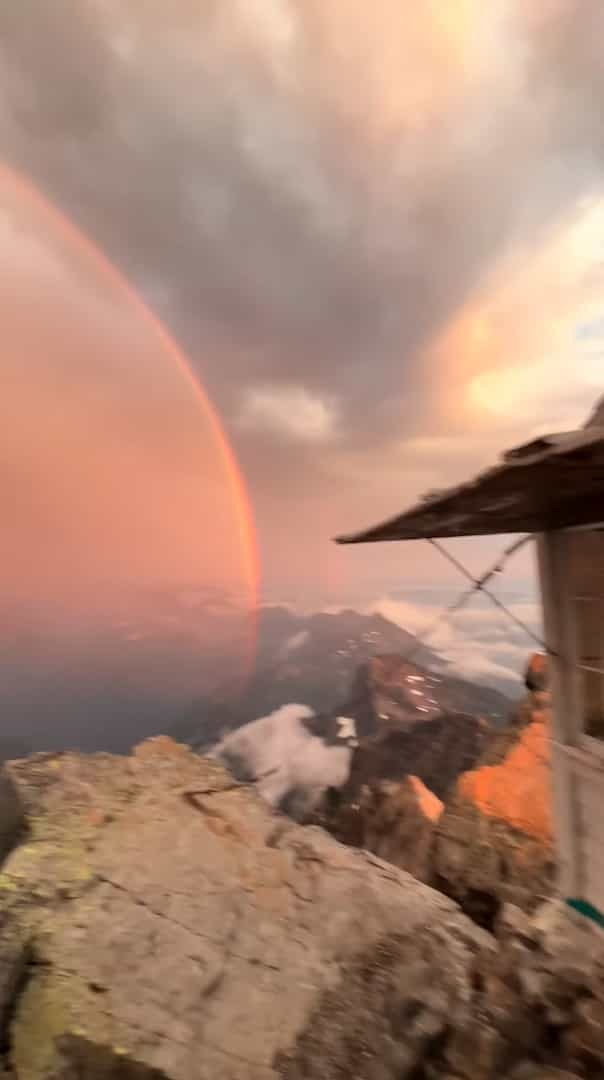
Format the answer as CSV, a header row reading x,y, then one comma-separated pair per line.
x,y
495,841
460,804
518,790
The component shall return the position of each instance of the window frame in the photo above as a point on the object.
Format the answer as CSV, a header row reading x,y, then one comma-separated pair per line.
x,y
592,744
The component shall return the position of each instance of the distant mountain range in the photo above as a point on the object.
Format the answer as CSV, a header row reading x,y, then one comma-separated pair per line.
x,y
345,663
140,662
125,665
306,659
390,692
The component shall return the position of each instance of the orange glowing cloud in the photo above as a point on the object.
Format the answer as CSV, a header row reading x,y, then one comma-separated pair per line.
x,y
456,22
514,343
115,467
413,66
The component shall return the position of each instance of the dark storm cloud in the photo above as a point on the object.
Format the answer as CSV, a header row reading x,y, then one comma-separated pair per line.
x,y
566,69
292,225
56,74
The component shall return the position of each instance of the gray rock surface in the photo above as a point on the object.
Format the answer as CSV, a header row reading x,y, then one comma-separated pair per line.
x,y
161,922
13,962
11,813
494,842
198,935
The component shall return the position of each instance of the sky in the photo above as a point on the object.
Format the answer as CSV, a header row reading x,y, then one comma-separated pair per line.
x,y
107,446
374,230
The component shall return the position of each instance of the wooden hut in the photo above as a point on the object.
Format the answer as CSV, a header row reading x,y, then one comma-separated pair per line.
x,y
553,488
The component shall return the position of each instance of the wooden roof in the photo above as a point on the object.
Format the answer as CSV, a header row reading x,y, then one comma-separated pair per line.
x,y
553,482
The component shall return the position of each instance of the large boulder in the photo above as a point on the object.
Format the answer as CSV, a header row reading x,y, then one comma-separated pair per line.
x,y
161,923
180,929
535,1011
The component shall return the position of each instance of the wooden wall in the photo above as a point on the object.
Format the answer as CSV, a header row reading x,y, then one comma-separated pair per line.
x,y
572,580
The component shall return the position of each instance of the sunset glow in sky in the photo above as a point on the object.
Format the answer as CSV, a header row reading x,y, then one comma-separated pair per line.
x,y
115,468
376,230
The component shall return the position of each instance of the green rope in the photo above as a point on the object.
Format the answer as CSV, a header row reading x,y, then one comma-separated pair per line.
x,y
586,909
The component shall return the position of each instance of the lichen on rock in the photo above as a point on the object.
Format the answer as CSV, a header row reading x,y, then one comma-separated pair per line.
x,y
189,933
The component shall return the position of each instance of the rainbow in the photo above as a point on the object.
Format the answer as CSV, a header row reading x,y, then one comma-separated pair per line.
x,y
86,247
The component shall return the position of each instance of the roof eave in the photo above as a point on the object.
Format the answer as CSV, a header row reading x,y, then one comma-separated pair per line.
x,y
529,509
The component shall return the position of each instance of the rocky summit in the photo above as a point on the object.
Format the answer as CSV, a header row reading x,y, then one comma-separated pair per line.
x,y
160,921
463,806
390,692
495,841
395,820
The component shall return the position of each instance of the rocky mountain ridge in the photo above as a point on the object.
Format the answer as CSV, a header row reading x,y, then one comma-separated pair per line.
x,y
159,922
492,840
394,693
398,717
309,660
141,662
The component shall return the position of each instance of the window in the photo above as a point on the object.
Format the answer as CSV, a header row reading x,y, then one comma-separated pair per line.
x,y
590,631
587,576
